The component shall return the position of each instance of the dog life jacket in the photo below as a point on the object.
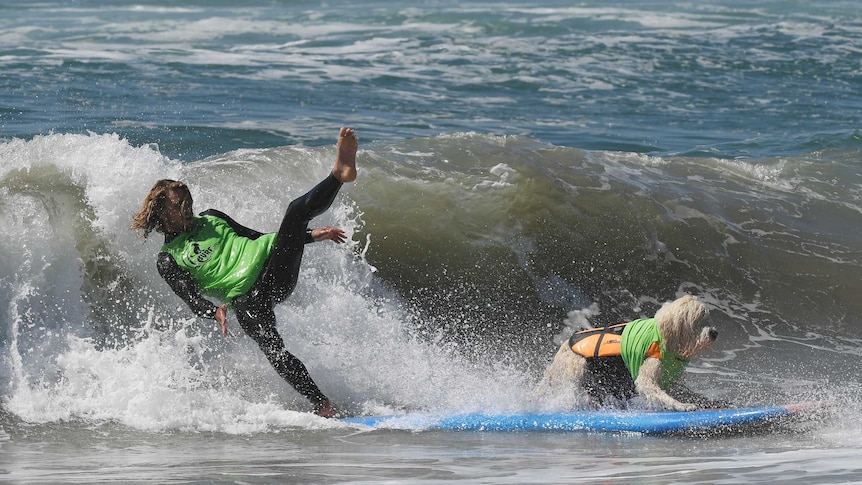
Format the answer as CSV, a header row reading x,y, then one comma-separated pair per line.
x,y
615,354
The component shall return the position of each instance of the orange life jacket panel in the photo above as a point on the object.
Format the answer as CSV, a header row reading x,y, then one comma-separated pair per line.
x,y
598,342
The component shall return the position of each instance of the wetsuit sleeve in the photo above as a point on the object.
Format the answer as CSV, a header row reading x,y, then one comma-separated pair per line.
x,y
184,286
236,226
245,231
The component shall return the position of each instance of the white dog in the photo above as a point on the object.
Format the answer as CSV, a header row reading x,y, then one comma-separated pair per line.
x,y
644,357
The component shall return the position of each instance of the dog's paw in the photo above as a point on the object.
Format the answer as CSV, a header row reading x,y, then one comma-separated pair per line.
x,y
686,406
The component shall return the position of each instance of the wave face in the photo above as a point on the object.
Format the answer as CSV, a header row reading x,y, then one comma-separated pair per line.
x,y
471,258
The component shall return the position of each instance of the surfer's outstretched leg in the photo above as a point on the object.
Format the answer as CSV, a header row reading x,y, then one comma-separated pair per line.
x,y
282,271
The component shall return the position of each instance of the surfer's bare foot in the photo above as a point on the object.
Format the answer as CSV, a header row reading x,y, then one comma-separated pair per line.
x,y
325,410
345,159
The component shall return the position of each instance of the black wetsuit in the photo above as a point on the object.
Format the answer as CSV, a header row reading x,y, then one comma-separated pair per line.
x,y
254,309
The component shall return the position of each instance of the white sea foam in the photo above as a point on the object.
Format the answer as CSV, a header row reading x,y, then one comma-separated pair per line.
x,y
176,373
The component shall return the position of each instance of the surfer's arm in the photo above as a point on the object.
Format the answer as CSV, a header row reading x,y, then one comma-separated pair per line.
x,y
246,231
185,286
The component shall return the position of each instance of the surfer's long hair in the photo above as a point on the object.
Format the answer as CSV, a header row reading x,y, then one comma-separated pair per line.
x,y
147,219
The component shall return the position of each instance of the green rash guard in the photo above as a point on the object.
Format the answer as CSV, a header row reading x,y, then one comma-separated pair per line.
x,y
224,264
641,339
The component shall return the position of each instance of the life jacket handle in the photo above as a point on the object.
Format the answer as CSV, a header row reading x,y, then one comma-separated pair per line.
x,y
591,342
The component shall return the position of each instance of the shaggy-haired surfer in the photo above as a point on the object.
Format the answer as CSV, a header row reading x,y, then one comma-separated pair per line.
x,y
214,255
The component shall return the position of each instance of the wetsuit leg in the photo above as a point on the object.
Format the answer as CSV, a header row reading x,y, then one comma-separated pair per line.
x,y
257,319
254,310
279,277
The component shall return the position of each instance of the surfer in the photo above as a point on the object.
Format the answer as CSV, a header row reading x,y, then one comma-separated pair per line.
x,y
214,255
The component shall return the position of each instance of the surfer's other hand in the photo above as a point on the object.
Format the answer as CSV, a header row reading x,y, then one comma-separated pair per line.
x,y
221,318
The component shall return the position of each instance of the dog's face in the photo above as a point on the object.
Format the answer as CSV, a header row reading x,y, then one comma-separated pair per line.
x,y
682,324
703,341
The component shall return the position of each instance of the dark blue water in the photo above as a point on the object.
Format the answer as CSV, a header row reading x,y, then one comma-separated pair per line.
x,y
729,79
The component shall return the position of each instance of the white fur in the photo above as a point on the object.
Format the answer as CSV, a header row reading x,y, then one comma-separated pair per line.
x,y
681,324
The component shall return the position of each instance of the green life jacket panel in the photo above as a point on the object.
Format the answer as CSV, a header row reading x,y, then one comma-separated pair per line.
x,y
224,264
640,340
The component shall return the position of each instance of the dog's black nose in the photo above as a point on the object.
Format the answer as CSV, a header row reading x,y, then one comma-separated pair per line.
x,y
713,334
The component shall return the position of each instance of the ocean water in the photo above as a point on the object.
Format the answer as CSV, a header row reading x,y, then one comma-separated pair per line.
x,y
525,169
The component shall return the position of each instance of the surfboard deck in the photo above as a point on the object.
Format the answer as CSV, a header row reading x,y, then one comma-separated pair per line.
x,y
642,422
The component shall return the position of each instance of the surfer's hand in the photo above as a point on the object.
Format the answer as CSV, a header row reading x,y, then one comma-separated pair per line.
x,y
330,233
221,318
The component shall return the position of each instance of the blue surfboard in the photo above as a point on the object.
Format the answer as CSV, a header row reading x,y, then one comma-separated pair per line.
x,y
643,422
